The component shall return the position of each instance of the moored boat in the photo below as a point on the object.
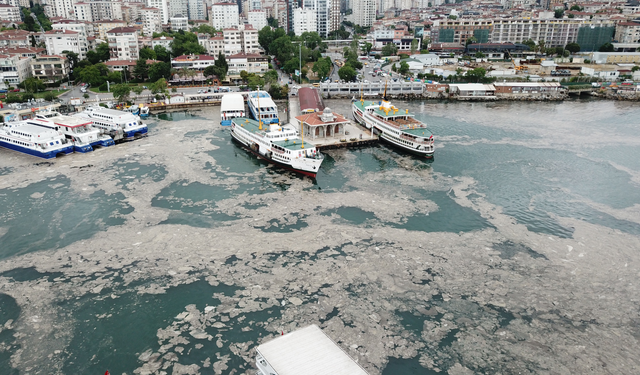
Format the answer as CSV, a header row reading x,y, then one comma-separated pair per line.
x,y
117,124
263,107
34,140
277,145
232,106
399,128
79,131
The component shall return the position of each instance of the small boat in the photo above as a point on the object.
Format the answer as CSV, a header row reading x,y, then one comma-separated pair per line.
x,y
232,106
144,111
34,140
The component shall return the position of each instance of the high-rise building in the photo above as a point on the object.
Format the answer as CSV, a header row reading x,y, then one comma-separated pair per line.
x,y
224,15
123,43
364,12
82,28
196,9
257,19
322,10
151,20
63,8
58,40
304,20
9,13
334,15
178,7
164,8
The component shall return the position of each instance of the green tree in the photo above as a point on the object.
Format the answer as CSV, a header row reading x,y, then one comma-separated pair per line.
x,y
222,66
530,43
479,55
635,68
572,47
159,70
322,67
114,76
270,77
162,54
91,75
366,47
389,49
253,81
137,89
206,29
72,57
404,68
160,87
186,43
85,95
347,73
121,92
93,57
141,70
414,46
477,74
577,8
607,47
558,13
312,40
273,22
147,54
291,65
265,37
49,96
103,52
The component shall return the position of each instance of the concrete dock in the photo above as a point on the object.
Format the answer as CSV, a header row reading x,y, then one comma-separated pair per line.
x,y
355,135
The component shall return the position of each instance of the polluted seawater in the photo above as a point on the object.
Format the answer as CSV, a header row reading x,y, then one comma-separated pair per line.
x,y
514,251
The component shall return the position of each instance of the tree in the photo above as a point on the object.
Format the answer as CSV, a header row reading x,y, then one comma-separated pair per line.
x,y
93,57
312,40
147,54
137,89
162,54
186,43
366,47
103,52
253,81
479,55
205,29
558,13
91,75
389,49
530,43
114,76
121,92
86,96
159,87
347,73
49,96
141,70
322,67
541,46
265,37
477,74
270,77
159,70
404,68
577,8
221,66
414,46
635,68
607,47
273,22
72,57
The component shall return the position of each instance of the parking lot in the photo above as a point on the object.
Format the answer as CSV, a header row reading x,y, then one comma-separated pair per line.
x,y
372,71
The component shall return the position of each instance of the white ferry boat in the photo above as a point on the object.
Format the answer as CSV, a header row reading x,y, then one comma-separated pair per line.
x,y
144,111
34,140
79,131
277,145
232,106
261,102
115,123
396,127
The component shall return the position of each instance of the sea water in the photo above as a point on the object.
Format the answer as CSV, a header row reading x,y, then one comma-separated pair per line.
x,y
514,251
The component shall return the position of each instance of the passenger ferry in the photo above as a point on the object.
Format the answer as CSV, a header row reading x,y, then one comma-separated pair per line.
x,y
144,111
396,127
115,123
79,131
34,140
260,101
277,145
232,106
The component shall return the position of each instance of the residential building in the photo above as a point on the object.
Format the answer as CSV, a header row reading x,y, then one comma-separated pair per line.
x,y
81,28
9,13
98,10
14,69
82,12
224,15
164,8
232,41
322,10
62,8
15,38
304,20
627,32
179,22
280,13
50,69
257,19
213,45
123,43
250,43
196,9
13,3
251,63
461,30
57,41
178,7
335,17
151,20
193,62
164,41
101,28
364,12
23,51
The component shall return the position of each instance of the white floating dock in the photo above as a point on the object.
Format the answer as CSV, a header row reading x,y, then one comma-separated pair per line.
x,y
307,351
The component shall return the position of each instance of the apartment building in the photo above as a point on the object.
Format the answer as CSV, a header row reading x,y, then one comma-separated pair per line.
x,y
62,8
627,32
178,7
123,43
224,15
196,9
9,13
304,20
15,38
213,45
250,43
163,6
179,22
280,13
322,10
164,41
193,62
257,19
251,63
83,29
50,69
232,41
364,12
94,11
57,41
151,20
101,28
335,18
13,3
14,69
461,30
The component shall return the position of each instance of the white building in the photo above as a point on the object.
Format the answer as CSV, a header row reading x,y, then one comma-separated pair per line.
x,y
62,8
83,30
179,22
82,12
151,20
251,63
224,15
14,69
257,19
97,10
196,9
123,43
9,13
57,41
304,20
213,45
364,12
164,8
323,14
178,7
163,41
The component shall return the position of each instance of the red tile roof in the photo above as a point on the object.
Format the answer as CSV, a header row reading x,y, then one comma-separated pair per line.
x,y
314,119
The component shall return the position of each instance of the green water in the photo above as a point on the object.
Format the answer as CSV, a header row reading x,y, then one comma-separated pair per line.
x,y
537,162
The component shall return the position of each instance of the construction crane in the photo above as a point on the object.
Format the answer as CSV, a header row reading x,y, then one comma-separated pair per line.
x,y
516,67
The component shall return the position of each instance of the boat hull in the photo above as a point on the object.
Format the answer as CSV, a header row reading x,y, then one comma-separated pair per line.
x,y
387,139
270,160
82,149
45,155
133,133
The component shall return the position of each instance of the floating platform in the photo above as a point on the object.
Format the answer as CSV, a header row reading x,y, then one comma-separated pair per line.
x,y
307,351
